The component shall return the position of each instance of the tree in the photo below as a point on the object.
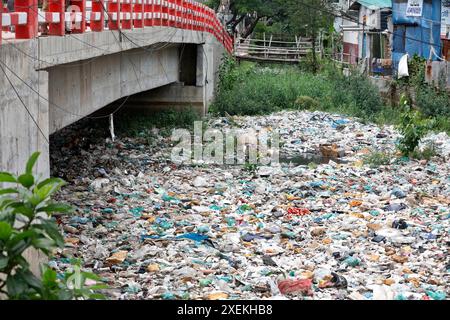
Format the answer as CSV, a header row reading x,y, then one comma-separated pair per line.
x,y
299,17
250,12
309,17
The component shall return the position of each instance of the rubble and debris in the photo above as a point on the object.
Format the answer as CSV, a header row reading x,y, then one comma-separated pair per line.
x,y
333,230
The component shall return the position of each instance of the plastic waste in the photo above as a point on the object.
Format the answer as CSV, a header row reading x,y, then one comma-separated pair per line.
x,y
403,67
330,229
303,286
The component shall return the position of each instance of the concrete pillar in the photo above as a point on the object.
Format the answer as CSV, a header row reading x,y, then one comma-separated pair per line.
x,y
209,57
19,135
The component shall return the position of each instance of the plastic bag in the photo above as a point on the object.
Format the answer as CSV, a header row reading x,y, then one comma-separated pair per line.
x,y
403,67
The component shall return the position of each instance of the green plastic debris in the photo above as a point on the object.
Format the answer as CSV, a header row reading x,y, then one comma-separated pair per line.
x,y
243,208
374,213
231,222
205,282
168,296
137,212
352,261
436,295
288,234
111,225
166,197
185,296
203,229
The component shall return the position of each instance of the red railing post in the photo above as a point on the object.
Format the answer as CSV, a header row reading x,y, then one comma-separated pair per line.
x,y
165,13
183,14
179,13
97,11
216,29
171,9
29,30
194,15
202,17
59,28
212,14
1,16
148,13
207,18
138,13
191,15
157,12
127,19
79,6
113,15
197,16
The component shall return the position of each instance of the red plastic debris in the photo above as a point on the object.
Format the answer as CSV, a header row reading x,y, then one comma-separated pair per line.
x,y
298,211
303,286
112,200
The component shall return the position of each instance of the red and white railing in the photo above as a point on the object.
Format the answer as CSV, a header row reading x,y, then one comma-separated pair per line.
x,y
99,15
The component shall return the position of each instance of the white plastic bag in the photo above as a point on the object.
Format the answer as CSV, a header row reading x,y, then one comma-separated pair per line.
x,y
403,67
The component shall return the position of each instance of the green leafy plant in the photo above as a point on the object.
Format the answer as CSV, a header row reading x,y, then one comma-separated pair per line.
x,y
413,128
306,103
426,154
253,89
377,158
27,223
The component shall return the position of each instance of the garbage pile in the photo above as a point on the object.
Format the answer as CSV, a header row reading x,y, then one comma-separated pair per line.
x,y
334,229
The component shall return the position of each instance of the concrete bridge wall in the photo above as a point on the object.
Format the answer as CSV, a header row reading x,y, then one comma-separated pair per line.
x,y
67,78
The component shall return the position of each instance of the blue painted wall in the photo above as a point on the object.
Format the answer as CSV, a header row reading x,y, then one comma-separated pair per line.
x,y
414,35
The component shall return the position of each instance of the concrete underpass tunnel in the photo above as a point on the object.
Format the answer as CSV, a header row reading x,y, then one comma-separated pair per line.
x,y
185,94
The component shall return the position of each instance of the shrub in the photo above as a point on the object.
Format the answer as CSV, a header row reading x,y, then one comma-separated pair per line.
x,y
26,222
377,158
306,103
247,89
433,102
413,127
357,90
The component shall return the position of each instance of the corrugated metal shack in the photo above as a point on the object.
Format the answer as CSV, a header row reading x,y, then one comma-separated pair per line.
x,y
416,30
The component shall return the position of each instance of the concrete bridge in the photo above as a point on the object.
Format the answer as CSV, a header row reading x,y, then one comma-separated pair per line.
x,y
115,50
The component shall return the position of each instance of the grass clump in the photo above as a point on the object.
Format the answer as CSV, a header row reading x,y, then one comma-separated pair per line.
x,y
306,103
377,158
251,90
